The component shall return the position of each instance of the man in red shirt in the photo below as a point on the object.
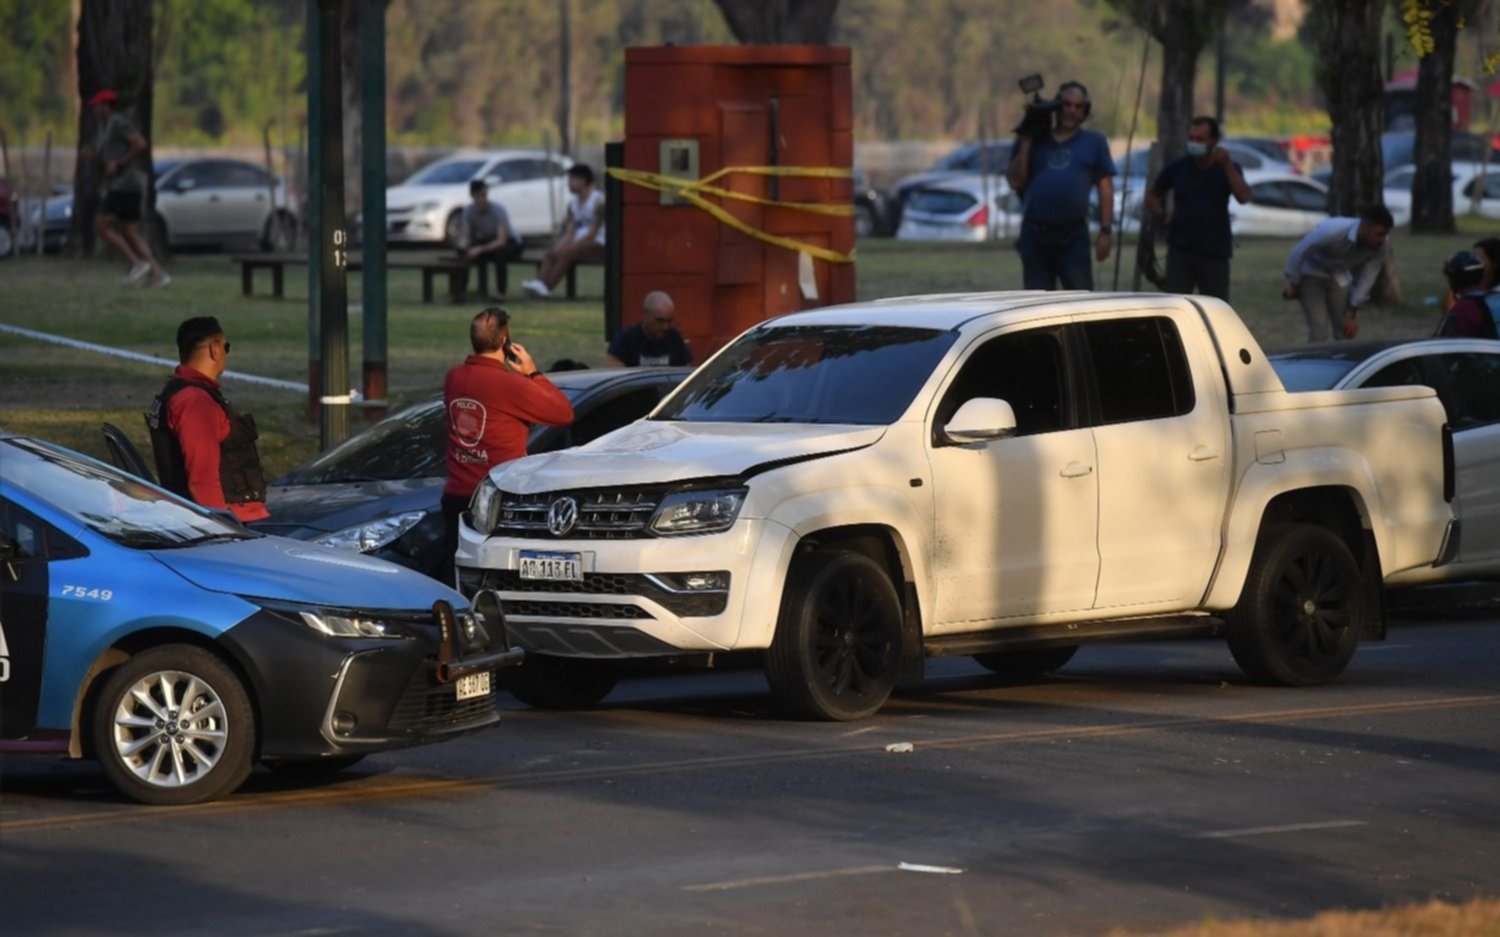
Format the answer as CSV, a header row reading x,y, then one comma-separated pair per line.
x,y
205,449
492,400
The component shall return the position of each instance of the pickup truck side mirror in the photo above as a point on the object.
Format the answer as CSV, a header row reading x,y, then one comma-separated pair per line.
x,y
981,420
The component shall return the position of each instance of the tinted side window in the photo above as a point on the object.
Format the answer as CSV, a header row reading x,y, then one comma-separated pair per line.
x,y
1024,369
1474,381
203,175
1139,368
1269,195
241,175
1398,374
1306,197
34,537
611,414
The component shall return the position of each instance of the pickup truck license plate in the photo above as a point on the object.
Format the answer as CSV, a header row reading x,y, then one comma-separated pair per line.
x,y
475,684
535,565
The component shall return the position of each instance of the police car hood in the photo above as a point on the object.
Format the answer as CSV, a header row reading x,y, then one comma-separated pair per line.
x,y
657,451
296,571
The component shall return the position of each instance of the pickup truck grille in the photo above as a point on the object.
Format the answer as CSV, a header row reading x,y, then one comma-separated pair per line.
x,y
603,514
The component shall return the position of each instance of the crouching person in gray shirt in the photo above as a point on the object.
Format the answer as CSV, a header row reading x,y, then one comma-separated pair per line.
x,y
1333,269
487,234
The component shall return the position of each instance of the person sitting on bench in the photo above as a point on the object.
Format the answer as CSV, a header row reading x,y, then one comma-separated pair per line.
x,y
582,238
487,234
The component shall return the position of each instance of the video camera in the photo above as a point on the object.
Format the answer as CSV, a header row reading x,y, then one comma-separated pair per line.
x,y
1037,121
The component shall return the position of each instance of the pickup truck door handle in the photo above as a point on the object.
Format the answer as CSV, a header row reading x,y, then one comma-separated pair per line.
x,y
1204,454
1076,470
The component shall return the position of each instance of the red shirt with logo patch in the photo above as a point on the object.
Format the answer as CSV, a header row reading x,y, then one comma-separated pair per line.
x,y
491,410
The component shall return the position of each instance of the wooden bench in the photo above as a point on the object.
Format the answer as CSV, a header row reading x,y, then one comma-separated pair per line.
x,y
454,268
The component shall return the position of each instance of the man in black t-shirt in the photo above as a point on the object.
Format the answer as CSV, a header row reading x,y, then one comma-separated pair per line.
x,y
653,342
1199,243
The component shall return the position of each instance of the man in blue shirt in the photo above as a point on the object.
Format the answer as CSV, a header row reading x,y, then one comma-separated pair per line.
x,y
1199,244
1055,176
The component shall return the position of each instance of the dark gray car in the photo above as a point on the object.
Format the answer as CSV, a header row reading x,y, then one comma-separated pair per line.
x,y
379,492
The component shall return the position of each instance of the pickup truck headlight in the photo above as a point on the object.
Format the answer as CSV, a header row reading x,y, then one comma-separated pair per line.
x,y
484,507
698,512
372,535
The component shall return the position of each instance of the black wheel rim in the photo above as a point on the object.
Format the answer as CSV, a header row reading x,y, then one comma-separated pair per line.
x,y
852,640
1314,607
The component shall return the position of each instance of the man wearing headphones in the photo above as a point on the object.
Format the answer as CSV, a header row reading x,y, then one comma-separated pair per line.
x,y
1055,175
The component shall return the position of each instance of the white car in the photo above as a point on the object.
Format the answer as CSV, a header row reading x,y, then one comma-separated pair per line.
x,y
428,207
224,202
1467,182
955,210
1281,205
849,490
1465,372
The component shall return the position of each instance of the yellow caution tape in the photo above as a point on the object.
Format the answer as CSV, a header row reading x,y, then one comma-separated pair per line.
x,y
694,191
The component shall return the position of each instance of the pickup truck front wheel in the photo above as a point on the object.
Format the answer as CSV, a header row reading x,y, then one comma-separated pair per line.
x,y
838,641
1297,622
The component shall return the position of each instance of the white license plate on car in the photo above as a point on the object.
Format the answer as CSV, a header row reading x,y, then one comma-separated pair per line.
x,y
474,685
557,566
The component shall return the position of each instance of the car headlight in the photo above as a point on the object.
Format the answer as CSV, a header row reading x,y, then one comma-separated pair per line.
x,y
348,625
484,507
698,512
425,207
372,535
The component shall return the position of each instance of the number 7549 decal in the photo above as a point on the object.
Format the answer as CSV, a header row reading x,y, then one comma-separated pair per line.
x,y
84,592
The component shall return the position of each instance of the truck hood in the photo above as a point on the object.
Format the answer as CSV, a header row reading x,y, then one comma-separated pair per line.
x,y
656,452
294,571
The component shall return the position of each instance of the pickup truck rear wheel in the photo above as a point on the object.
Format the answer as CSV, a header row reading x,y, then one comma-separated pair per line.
x,y
838,641
1297,622
545,682
1021,666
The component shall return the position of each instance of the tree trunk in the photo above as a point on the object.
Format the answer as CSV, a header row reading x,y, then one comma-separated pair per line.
x,y
1180,47
1432,187
1348,39
764,22
565,78
115,52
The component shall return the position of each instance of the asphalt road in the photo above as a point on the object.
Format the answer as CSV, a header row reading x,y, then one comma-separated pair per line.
x,y
1146,786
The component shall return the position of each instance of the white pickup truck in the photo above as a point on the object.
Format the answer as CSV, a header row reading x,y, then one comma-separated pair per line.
x,y
853,489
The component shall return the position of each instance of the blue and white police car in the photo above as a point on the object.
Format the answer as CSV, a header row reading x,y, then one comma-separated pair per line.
x,y
178,648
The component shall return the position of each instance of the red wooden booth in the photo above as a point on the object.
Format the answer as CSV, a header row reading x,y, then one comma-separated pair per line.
x,y
691,111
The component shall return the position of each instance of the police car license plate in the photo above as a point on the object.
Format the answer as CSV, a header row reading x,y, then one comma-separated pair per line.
x,y
557,566
475,684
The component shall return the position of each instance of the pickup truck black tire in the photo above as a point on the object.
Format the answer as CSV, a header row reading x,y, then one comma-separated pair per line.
x,y
546,682
837,650
1298,619
170,705
1021,666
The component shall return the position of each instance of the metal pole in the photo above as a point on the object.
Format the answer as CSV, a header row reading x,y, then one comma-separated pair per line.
x,y
332,241
372,183
314,192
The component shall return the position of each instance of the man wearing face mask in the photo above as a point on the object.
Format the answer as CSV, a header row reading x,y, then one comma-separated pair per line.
x,y
1056,174
1199,243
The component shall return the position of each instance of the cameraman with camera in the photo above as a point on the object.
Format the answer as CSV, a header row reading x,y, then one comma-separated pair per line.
x,y
1056,164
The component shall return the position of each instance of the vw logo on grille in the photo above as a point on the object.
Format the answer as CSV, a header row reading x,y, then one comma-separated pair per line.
x,y
562,516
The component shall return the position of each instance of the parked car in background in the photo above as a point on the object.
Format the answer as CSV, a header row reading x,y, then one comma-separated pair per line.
x,y
990,158
204,203
1469,179
379,492
179,648
1281,205
428,207
869,208
1465,372
956,210
1399,148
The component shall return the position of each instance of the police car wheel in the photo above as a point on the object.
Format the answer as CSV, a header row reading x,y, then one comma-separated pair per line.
x,y
174,725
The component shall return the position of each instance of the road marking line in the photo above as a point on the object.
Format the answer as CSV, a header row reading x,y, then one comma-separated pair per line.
x,y
789,879
929,869
357,792
1284,828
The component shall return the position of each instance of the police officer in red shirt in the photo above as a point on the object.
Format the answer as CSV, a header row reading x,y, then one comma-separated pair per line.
x,y
205,449
492,400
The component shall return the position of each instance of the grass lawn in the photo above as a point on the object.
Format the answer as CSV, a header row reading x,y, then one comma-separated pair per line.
x,y
63,394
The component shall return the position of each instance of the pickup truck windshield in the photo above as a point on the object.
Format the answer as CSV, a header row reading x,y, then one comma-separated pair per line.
x,y
860,374
109,502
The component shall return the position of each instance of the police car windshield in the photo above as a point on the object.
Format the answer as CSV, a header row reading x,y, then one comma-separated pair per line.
x,y
852,374
109,502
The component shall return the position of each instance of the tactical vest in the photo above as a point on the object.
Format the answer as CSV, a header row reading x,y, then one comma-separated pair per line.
x,y
240,473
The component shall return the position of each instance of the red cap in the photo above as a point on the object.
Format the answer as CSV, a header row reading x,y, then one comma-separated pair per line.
x,y
103,97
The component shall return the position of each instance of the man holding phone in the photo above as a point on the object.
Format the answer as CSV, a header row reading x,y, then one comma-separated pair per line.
x,y
492,400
